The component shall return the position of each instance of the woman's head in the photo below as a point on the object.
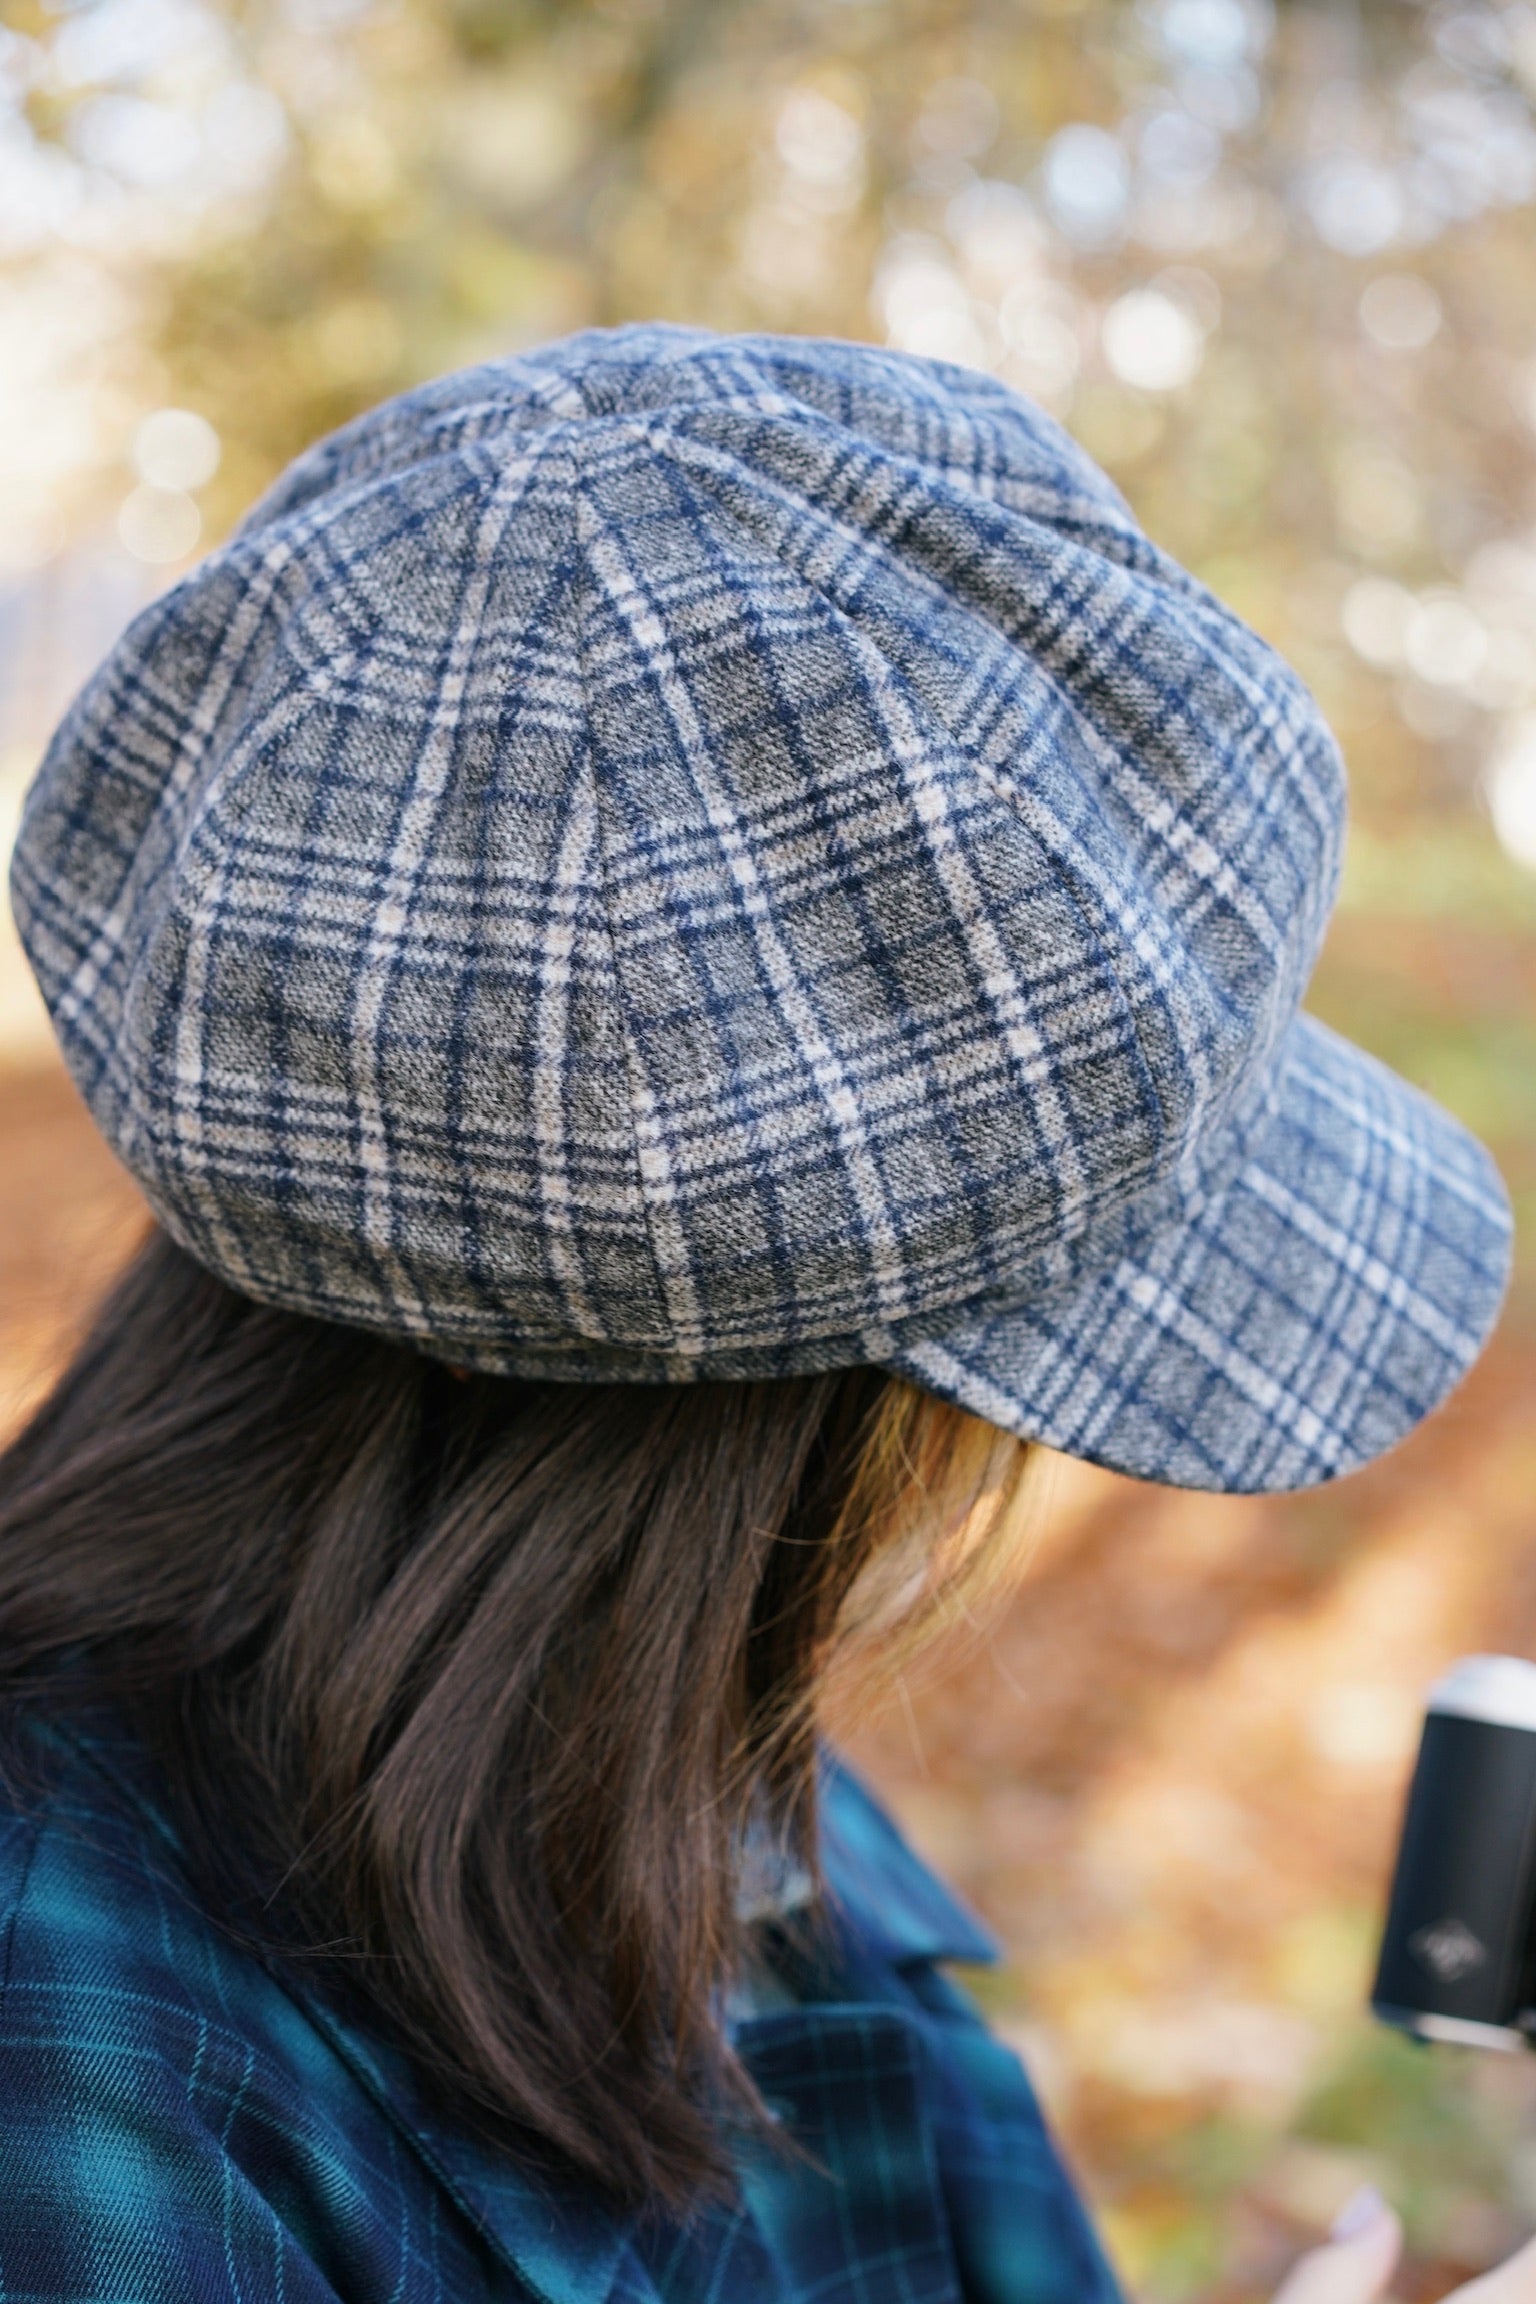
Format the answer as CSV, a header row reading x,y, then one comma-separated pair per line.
x,y
713,881
478,1684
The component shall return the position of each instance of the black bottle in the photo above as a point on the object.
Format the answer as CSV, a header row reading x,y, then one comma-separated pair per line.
x,y
1456,1955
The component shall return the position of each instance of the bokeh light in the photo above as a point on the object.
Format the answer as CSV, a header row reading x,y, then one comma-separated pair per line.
x,y
159,526
1512,791
1151,341
175,449
1400,312
1087,182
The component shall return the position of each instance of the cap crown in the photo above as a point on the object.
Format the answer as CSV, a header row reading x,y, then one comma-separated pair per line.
x,y
679,854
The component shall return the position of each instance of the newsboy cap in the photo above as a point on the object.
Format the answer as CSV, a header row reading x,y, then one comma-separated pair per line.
x,y
683,856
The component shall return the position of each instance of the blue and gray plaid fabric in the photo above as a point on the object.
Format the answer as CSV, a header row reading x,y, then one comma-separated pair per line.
x,y
682,856
182,2124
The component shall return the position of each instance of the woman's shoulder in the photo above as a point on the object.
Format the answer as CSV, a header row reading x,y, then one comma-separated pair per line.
x,y
104,1943
171,2103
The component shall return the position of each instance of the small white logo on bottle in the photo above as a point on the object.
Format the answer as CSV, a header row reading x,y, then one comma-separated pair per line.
x,y
1448,1949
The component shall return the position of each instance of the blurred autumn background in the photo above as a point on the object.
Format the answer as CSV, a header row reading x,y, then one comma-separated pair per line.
x,y
1276,267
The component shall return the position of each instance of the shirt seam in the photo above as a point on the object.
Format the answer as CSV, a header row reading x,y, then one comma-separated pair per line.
x,y
23,1882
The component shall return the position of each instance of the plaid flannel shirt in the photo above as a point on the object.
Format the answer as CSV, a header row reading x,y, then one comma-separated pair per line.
x,y
183,2123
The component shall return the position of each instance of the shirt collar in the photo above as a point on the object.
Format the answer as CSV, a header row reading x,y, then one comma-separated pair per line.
x,y
561,2241
555,2235
900,1911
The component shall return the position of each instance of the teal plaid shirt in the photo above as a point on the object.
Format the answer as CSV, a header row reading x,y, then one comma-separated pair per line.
x,y
182,2123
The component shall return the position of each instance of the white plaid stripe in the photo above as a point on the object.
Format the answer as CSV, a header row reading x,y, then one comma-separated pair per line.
x,y
411,854
575,882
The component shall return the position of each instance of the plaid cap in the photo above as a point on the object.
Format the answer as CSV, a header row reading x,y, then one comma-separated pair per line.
x,y
685,856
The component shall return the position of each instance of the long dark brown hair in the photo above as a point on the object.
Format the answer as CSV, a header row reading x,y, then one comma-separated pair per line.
x,y
473,1685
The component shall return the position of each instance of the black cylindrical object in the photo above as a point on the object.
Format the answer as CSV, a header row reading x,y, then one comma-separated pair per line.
x,y
1457,1953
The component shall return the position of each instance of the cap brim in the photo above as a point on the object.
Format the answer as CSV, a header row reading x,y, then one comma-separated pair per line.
x,y
1330,1295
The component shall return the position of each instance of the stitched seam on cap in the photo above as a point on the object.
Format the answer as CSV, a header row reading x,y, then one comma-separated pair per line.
x,y
924,713
633,1070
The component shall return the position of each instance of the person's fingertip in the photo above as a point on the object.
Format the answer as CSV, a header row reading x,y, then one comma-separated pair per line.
x,y
1364,2211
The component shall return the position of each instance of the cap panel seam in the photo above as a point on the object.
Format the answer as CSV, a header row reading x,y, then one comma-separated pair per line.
x,y
1026,809
815,1041
986,973
674,1281
1144,561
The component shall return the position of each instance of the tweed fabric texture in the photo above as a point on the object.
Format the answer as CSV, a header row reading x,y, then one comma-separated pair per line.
x,y
183,2123
681,856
